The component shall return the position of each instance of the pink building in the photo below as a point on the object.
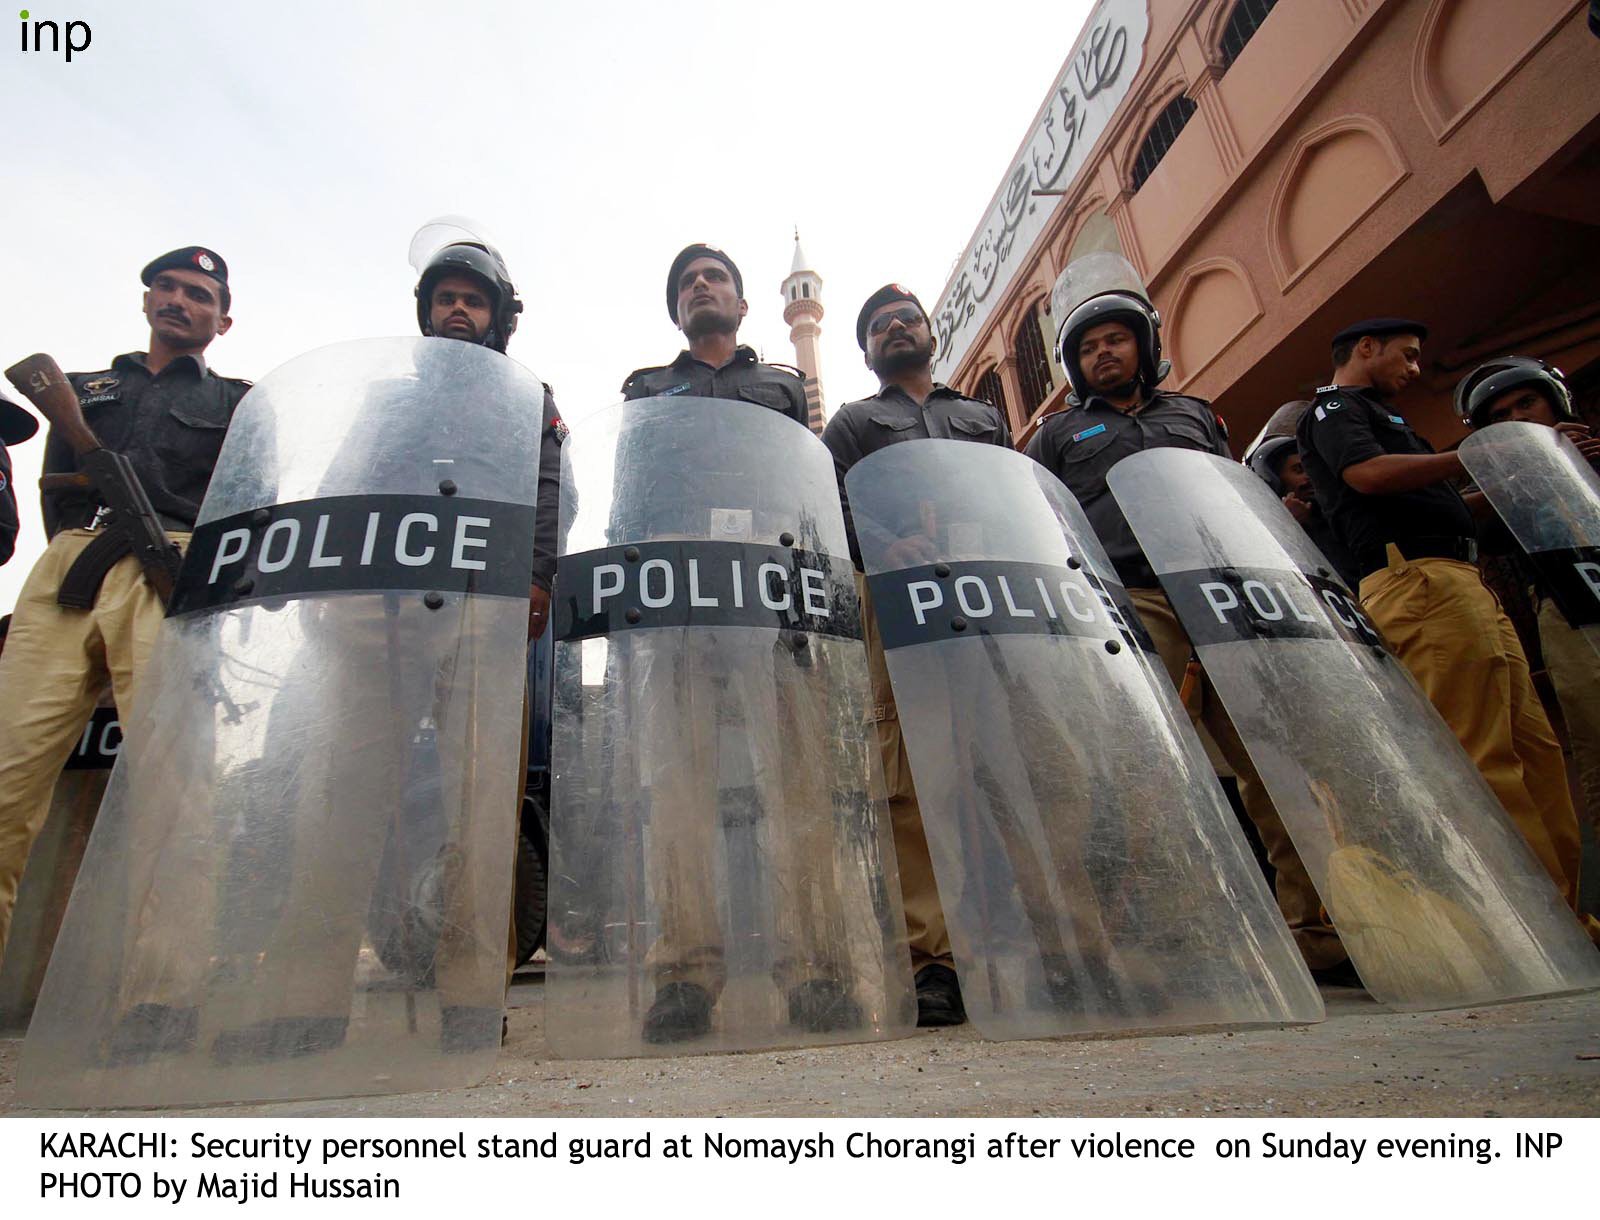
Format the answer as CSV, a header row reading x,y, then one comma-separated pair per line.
x,y
1277,168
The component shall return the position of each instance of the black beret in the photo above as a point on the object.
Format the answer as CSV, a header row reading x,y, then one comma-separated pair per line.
x,y
190,258
16,423
1380,328
686,256
889,292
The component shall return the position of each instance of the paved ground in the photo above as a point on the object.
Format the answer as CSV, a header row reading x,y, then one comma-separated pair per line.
x,y
1540,1059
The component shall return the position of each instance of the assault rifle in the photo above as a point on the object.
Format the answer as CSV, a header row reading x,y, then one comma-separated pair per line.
x,y
133,527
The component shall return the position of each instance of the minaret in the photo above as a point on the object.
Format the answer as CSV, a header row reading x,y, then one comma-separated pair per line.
x,y
802,310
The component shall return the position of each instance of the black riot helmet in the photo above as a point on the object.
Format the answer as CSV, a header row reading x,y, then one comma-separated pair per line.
x,y
1267,461
1103,287
1489,380
482,263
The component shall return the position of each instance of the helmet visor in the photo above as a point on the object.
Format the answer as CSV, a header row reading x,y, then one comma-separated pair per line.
x,y
444,231
1090,276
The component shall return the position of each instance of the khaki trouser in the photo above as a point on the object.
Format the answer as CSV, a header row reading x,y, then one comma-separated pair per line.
x,y
1574,668
1449,630
694,720
55,664
925,925
1297,897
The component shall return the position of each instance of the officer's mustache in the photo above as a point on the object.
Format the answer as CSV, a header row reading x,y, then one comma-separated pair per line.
x,y
177,315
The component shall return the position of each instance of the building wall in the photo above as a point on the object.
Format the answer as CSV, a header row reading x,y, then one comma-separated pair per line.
x,y
1433,158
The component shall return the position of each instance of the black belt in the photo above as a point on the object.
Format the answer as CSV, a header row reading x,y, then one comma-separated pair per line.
x,y
1463,549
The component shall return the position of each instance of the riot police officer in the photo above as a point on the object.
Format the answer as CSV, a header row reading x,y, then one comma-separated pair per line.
x,y
705,299
1524,389
1277,461
1109,343
465,292
16,426
897,340
167,412
1391,499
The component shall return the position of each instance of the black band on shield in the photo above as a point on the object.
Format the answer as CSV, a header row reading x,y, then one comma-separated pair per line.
x,y
686,583
1571,575
347,544
1227,605
99,743
950,601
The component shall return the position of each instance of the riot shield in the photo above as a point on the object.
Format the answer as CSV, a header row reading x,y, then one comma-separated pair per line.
x,y
722,875
1431,887
53,865
1092,874
339,680
1549,498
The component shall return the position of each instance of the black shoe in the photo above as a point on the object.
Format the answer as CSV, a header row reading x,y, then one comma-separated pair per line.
x,y
939,997
281,1038
464,1029
148,1030
823,1006
1342,975
681,1011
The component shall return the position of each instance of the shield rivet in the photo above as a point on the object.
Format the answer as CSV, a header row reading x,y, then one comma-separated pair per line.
x,y
260,517
433,599
941,570
786,539
1113,647
1324,573
633,615
631,554
447,487
1073,562
800,641
958,623
243,587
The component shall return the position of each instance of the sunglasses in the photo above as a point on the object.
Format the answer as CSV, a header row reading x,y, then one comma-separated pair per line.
x,y
906,315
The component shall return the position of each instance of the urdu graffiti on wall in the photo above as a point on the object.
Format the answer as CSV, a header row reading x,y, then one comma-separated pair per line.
x,y
1096,78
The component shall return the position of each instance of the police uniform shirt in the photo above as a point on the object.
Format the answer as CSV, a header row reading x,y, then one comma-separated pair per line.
x,y
547,505
890,416
1346,426
8,507
1081,444
742,378
169,425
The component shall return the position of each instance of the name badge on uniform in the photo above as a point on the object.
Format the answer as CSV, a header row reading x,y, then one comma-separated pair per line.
x,y
1088,432
1395,419
677,389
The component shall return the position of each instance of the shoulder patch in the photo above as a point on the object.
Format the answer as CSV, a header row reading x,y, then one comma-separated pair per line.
x,y
1222,425
559,427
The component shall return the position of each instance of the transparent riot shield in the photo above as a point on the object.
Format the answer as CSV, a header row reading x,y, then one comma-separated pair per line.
x,y
338,684
53,865
1092,874
1432,889
1549,497
722,874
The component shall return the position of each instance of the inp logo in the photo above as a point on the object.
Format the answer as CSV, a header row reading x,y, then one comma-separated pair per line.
x,y
47,36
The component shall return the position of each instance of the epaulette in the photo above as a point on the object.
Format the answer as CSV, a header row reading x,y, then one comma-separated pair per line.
x,y
785,368
645,372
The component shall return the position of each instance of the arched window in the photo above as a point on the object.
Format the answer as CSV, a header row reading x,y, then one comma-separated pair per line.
x,y
805,290
992,390
1160,137
1033,365
1241,27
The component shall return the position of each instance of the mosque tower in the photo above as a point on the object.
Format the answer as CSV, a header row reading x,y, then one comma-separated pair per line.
x,y
802,310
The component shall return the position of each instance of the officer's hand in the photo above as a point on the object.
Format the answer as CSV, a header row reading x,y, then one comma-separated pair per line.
x,y
910,552
1299,509
1588,444
538,611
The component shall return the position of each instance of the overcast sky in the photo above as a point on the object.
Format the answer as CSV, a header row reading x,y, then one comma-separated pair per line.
x,y
306,142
